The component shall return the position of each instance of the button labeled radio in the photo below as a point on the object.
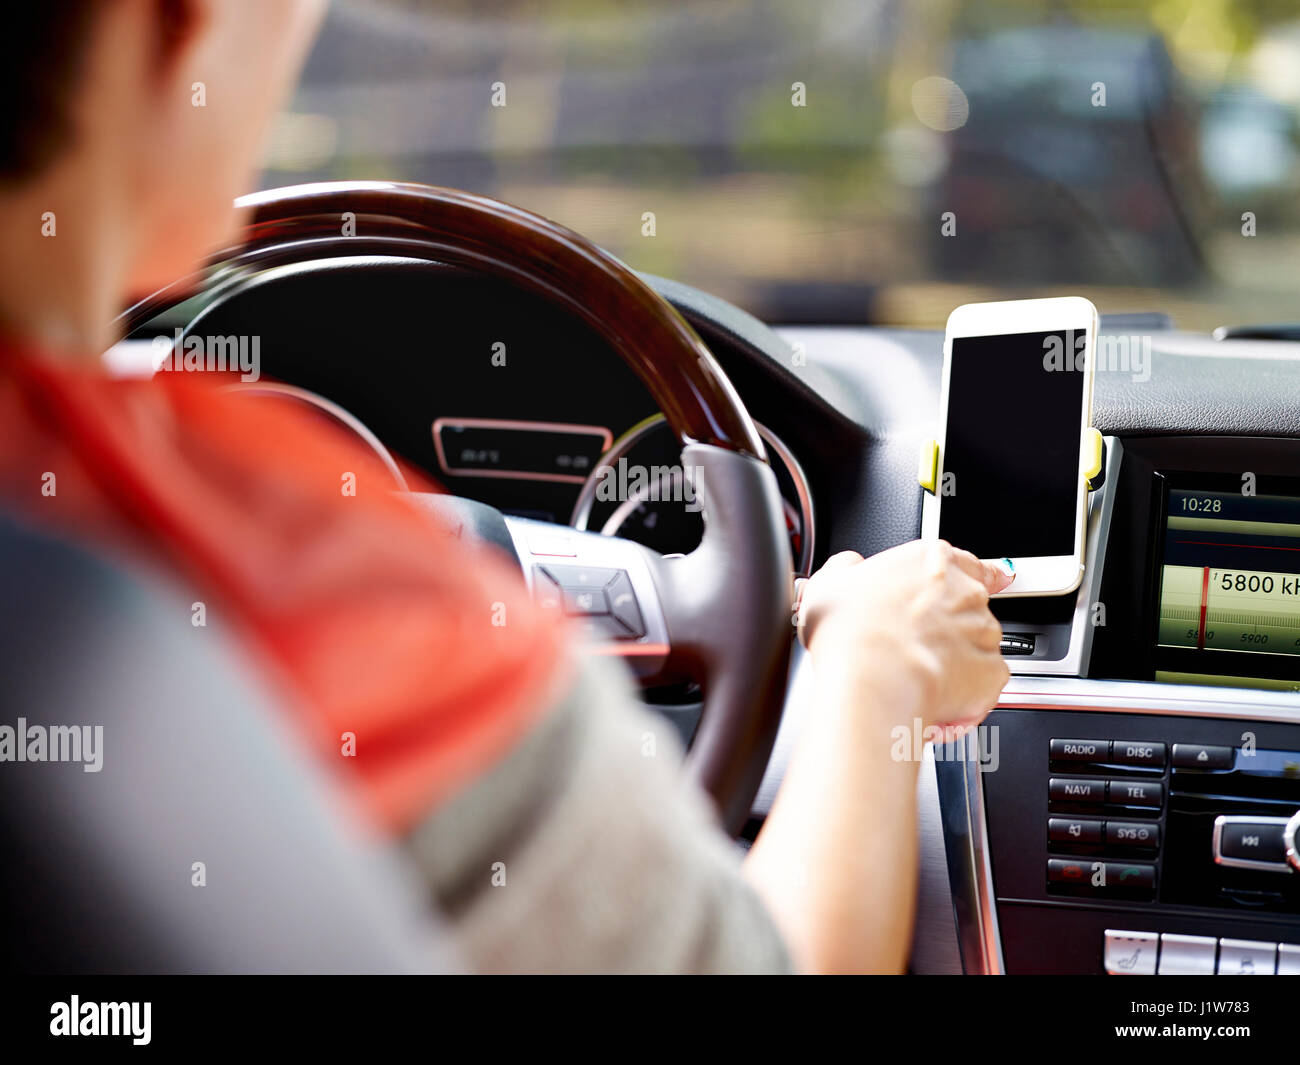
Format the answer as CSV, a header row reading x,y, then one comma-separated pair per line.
x,y
1080,750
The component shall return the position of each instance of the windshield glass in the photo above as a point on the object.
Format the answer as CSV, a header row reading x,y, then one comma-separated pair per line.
x,y
847,160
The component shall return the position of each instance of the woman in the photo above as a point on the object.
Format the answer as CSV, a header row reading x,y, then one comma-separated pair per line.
x,y
478,745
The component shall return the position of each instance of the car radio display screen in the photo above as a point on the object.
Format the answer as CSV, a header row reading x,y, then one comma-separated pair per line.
x,y
1230,582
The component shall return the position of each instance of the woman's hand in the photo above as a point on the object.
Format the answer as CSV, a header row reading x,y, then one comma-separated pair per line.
x,y
920,610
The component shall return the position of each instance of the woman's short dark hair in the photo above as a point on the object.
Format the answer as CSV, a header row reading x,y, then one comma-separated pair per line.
x,y
38,80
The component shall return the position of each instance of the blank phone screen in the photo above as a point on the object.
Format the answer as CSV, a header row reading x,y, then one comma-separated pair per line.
x,y
1011,454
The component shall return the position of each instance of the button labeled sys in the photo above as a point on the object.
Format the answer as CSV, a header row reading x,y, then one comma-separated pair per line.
x,y
1132,834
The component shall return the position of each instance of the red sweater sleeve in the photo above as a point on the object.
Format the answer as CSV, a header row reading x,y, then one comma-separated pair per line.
x,y
413,660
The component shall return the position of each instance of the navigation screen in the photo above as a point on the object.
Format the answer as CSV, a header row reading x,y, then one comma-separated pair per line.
x,y
1231,577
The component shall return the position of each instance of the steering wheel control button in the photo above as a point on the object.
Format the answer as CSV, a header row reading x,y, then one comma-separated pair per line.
x,y
623,605
1080,751
1245,957
1146,793
546,590
1132,834
1288,959
1251,843
1064,789
603,598
1187,955
580,576
1143,755
1200,756
1070,830
584,602
1131,953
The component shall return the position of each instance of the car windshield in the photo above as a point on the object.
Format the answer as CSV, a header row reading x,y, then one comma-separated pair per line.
x,y
847,160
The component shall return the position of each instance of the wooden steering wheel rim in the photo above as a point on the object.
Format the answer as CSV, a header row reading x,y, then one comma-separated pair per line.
x,y
462,229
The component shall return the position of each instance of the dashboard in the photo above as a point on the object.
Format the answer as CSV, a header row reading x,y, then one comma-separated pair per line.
x,y
1102,839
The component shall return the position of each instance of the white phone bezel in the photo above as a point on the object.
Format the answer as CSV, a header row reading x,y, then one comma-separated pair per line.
x,y
1035,575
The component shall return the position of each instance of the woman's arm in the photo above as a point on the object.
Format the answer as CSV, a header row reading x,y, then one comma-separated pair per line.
x,y
905,640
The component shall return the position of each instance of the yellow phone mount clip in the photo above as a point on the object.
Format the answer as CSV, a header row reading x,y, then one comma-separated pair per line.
x,y
1093,462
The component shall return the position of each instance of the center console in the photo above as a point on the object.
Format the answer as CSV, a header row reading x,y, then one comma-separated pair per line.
x,y
1107,827
1133,805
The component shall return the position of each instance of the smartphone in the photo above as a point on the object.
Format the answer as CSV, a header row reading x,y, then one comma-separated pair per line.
x,y
1015,438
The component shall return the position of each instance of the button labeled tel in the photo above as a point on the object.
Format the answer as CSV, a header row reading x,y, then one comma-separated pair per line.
x,y
1135,793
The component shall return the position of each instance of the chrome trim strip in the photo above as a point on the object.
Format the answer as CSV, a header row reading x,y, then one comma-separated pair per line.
x,y
961,796
514,424
1150,697
1223,820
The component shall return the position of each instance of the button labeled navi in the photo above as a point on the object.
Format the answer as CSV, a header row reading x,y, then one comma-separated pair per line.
x,y
1062,789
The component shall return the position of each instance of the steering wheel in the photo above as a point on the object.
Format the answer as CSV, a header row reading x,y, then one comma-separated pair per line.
x,y
720,615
